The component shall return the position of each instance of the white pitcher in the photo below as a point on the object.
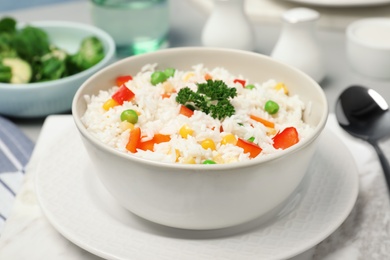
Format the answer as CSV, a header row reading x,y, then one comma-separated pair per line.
x,y
297,44
228,26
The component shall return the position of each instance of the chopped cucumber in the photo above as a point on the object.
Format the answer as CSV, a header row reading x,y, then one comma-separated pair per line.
x,y
21,70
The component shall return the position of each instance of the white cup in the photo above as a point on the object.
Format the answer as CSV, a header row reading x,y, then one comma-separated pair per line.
x,y
368,47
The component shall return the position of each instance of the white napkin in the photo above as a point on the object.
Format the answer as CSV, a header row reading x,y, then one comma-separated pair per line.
x,y
15,152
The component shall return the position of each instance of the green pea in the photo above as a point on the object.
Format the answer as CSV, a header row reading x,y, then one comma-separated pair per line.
x,y
130,116
250,86
169,72
251,139
158,77
271,107
209,162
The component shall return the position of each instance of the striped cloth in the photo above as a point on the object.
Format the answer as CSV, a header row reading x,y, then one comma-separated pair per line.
x,y
15,152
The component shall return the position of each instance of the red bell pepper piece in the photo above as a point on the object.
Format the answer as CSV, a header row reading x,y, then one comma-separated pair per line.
x,y
249,147
123,94
288,137
120,80
241,81
186,111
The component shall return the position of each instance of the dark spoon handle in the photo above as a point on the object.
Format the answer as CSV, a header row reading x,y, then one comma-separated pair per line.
x,y
384,162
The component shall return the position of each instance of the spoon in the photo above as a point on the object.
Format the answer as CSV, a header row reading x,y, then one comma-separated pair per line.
x,y
364,113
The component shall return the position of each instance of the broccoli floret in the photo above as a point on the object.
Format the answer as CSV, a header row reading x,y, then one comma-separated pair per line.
x,y
51,65
5,73
91,51
7,25
30,43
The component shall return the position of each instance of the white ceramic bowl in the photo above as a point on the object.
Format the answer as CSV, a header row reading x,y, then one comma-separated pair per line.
x,y
368,47
45,98
204,196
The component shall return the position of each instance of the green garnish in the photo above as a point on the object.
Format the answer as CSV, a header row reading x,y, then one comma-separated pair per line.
x,y
211,98
31,46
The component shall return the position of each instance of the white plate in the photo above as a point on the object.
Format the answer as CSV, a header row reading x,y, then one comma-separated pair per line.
x,y
79,207
342,3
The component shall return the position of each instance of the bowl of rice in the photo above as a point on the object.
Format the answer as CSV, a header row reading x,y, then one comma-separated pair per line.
x,y
200,138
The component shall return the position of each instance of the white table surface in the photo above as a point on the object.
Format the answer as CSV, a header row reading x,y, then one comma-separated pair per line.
x,y
187,20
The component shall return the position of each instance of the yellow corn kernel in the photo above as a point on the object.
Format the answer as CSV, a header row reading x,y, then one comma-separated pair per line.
x,y
109,104
229,139
126,125
188,76
208,144
177,152
168,87
189,160
281,85
218,159
185,131
271,131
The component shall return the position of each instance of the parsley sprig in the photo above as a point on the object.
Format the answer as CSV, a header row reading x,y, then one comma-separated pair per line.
x,y
212,97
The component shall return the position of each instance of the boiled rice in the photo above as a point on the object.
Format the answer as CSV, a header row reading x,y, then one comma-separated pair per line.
x,y
161,115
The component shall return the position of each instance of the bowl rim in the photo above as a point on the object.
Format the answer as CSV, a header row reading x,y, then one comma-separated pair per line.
x,y
110,52
196,167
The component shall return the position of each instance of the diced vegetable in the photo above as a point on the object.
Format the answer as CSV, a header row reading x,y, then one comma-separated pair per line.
x,y
250,86
249,147
229,139
168,87
263,121
241,81
209,162
126,125
21,71
160,138
130,116
271,107
188,76
146,145
185,131
287,138
157,138
158,77
208,77
134,140
251,139
186,111
120,80
123,94
110,103
208,144
169,72
281,85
